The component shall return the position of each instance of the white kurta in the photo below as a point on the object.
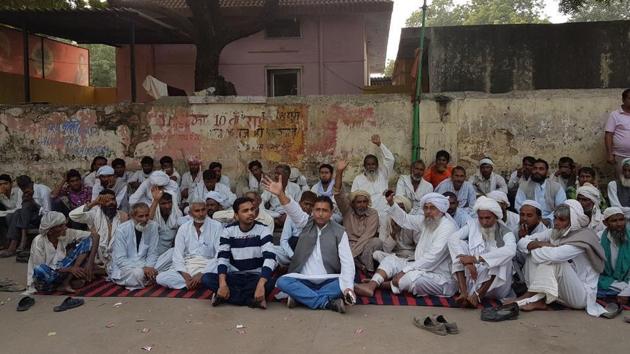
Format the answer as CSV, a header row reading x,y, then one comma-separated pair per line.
x,y
143,193
539,196
497,260
138,176
128,259
94,218
41,196
10,203
574,283
465,195
430,271
43,252
275,208
404,187
188,182
313,269
120,188
167,228
484,186
614,199
199,191
512,220
193,253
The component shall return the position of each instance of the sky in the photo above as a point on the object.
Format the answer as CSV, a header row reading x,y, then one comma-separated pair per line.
x,y
403,8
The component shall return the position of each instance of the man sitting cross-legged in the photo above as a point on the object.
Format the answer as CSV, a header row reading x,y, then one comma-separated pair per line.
x,y
615,239
245,260
483,263
134,252
429,272
564,263
195,251
322,268
291,232
60,256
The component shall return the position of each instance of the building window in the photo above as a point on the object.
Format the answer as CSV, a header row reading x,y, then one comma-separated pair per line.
x,y
283,28
283,82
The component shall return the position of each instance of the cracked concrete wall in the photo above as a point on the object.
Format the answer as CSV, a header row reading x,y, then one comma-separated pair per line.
x,y
44,141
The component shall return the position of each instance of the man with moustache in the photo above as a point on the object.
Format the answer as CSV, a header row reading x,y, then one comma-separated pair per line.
x,y
615,240
619,190
547,193
413,186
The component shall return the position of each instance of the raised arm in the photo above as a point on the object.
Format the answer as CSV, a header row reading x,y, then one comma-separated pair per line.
x,y
388,157
292,208
340,197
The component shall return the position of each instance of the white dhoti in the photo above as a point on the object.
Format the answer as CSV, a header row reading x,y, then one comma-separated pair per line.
x,y
164,261
194,265
558,282
500,288
131,278
418,282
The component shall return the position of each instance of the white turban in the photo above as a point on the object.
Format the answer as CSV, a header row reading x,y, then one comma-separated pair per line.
x,y
491,205
612,211
217,197
159,178
105,171
532,203
578,218
295,174
625,161
499,196
590,192
486,161
50,220
437,200
401,199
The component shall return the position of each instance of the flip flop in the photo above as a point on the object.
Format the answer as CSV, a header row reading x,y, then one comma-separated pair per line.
x,y
23,256
68,303
612,311
25,303
451,327
430,325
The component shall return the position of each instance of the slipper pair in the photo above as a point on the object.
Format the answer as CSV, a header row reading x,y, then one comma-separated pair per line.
x,y
436,325
68,303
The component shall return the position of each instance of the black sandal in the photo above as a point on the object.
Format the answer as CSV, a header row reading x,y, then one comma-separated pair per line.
x,y
68,304
25,303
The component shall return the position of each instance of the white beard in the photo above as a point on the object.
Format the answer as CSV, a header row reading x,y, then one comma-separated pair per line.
x,y
431,224
371,176
489,233
556,235
139,228
199,221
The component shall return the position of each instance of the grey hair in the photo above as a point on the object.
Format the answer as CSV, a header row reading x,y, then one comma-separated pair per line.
x,y
138,206
562,211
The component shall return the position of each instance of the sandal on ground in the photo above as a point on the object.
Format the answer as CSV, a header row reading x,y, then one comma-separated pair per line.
x,y
451,327
25,303
429,324
68,303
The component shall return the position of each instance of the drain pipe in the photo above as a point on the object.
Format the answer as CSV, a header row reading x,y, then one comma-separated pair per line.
x,y
415,147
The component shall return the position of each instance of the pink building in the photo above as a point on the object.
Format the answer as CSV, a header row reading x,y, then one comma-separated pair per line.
x,y
317,47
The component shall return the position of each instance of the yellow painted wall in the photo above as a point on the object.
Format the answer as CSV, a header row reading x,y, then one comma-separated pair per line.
x,y
12,92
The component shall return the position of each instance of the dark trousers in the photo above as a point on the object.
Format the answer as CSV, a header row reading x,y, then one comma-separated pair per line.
x,y
25,218
242,286
62,205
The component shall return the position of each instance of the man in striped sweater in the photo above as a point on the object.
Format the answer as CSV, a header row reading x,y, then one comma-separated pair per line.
x,y
246,260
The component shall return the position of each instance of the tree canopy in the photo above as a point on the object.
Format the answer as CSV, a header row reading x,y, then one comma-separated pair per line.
x,y
594,10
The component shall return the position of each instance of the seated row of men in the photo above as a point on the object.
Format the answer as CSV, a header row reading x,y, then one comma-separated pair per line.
x,y
479,259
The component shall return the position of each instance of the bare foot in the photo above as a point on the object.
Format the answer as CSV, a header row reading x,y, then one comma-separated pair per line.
x,y
363,290
66,289
77,283
535,306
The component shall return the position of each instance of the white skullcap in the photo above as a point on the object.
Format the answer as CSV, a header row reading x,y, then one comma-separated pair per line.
x,y
486,161
159,178
578,218
105,171
589,191
401,199
612,211
217,197
50,220
499,196
487,204
532,203
437,200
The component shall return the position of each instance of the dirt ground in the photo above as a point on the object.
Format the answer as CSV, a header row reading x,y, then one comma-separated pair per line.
x,y
193,326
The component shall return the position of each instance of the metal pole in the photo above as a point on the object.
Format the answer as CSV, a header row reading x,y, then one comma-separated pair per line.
x,y
415,150
27,70
132,61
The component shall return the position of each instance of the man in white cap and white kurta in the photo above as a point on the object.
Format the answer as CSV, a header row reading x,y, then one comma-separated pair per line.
x,y
483,263
615,239
106,179
485,180
157,179
590,198
429,272
529,225
510,219
564,264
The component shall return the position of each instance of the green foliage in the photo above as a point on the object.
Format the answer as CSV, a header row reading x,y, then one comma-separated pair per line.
x,y
389,68
477,12
102,65
593,10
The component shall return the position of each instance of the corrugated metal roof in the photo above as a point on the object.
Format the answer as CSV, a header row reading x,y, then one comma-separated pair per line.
x,y
181,4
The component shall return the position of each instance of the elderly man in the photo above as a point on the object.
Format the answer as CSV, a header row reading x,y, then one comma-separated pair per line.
x,y
195,251
375,180
103,216
564,263
210,184
510,219
291,232
413,186
60,256
360,221
106,179
143,174
615,240
619,190
191,177
547,193
398,241
157,179
589,198
459,215
529,224
271,203
134,252
457,184
483,265
321,270
33,201
245,261
428,273
485,180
